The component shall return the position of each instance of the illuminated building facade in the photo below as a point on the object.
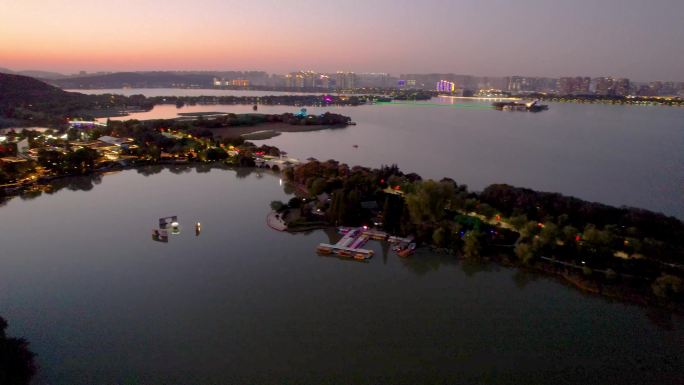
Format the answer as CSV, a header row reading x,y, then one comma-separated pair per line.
x,y
446,86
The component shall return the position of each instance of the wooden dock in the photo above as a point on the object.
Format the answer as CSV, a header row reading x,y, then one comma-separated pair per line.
x,y
342,251
351,244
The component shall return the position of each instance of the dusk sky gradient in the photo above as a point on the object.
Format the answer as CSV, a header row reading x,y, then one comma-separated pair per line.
x,y
643,40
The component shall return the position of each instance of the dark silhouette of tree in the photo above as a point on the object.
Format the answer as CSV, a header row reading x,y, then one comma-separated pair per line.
x,y
16,360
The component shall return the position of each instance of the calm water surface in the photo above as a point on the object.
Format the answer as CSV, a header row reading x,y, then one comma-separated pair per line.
x,y
619,155
102,303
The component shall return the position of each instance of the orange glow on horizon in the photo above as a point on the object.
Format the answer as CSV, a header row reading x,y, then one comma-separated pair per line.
x,y
431,36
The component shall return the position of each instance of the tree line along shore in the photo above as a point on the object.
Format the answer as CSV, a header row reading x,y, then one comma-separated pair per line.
x,y
76,151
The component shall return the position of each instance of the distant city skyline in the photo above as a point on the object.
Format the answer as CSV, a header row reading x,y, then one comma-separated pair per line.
x,y
620,38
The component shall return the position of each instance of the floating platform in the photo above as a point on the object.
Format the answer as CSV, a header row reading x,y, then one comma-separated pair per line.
x,y
350,246
343,251
354,238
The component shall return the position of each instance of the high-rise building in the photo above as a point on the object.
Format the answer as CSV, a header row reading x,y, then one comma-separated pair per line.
x,y
604,86
608,86
566,86
622,87
310,79
346,80
669,88
301,79
573,86
521,84
373,80
515,83
446,86
324,81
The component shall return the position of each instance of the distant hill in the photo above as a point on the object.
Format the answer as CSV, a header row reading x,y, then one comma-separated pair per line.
x,y
136,80
41,74
18,90
28,101
34,73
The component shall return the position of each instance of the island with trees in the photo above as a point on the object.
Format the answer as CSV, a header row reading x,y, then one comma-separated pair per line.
x,y
626,253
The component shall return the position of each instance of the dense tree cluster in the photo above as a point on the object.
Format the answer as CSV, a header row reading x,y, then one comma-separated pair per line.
x,y
234,120
16,360
526,224
603,227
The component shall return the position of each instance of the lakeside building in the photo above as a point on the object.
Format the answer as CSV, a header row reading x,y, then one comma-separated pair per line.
x,y
491,93
230,82
83,124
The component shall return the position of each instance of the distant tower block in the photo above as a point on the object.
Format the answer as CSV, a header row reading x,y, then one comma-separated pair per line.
x,y
446,86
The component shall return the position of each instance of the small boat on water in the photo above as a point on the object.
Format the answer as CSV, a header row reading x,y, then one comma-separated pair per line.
x,y
198,229
160,235
165,222
533,106
408,250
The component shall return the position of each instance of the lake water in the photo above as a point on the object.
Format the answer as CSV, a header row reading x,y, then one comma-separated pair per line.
x,y
102,303
619,155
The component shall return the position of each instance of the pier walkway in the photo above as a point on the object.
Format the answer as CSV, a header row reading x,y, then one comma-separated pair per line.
x,y
351,244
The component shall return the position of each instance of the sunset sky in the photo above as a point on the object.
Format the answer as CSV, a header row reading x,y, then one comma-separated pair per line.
x,y
639,39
